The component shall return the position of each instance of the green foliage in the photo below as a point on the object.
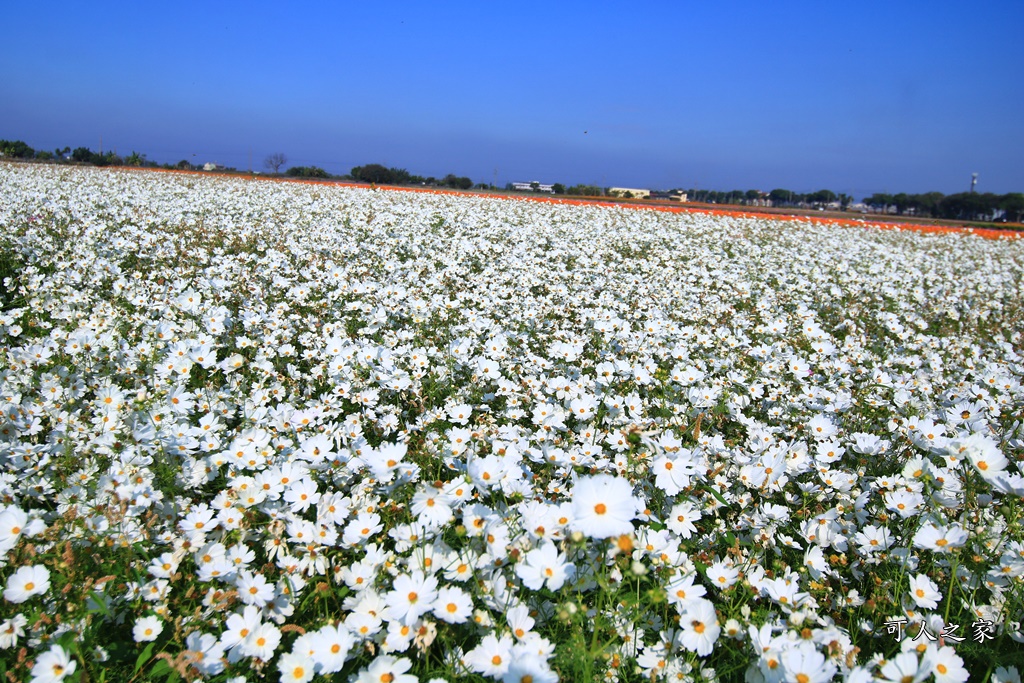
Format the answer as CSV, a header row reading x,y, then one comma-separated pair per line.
x,y
1013,204
373,173
778,196
584,190
968,206
16,149
307,172
82,154
135,159
400,176
85,155
458,182
821,197
11,264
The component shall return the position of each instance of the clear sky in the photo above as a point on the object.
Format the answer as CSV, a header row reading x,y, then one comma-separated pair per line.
x,y
854,97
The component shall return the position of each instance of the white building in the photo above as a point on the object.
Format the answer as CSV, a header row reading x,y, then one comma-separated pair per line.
x,y
533,186
629,192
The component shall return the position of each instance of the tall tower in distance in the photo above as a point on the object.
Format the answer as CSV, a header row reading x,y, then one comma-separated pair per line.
x,y
974,182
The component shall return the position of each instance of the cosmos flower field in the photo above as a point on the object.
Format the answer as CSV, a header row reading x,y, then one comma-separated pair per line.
x,y
283,431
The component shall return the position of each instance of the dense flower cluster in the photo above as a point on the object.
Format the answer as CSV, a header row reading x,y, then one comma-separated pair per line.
x,y
283,430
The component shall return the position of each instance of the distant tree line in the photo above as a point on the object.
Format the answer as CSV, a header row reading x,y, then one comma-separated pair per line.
x,y
17,149
961,206
777,197
378,174
583,190
307,172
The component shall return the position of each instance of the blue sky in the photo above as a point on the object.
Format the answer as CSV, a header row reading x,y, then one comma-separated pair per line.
x,y
854,97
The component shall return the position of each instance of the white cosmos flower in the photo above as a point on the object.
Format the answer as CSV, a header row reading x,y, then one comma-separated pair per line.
x,y
906,668
453,605
924,592
983,453
603,506
545,564
53,666
698,627
423,363
806,664
295,668
147,628
27,582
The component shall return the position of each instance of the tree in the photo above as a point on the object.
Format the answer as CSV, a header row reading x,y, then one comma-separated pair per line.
x,y
135,159
879,201
901,201
373,173
558,188
275,161
82,154
400,176
1013,204
584,190
108,159
307,172
780,197
458,182
16,149
928,203
966,205
821,197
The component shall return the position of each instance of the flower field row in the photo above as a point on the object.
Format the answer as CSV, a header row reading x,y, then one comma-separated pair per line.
x,y
292,432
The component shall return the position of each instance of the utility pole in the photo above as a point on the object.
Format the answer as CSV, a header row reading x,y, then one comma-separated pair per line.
x,y
101,145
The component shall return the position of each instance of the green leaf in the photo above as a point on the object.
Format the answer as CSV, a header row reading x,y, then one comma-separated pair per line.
x,y
101,604
716,494
68,642
144,657
161,668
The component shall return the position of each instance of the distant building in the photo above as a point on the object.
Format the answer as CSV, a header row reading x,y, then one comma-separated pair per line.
x,y
629,192
671,195
533,186
210,166
760,200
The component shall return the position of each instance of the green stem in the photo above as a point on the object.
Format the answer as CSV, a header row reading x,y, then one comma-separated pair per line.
x,y
952,582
